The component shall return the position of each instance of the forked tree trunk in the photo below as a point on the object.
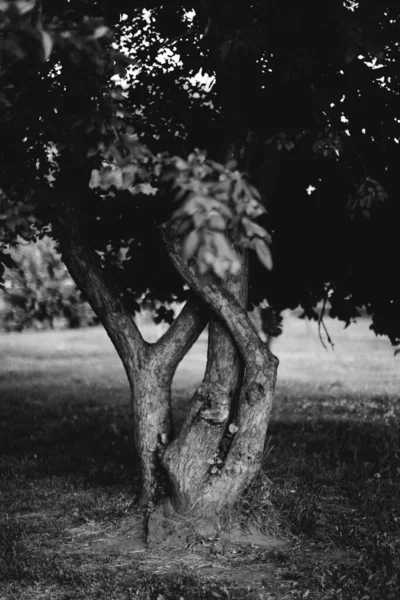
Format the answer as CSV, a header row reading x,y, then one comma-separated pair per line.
x,y
181,469
149,367
197,487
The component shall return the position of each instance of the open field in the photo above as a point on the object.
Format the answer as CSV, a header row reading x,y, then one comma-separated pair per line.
x,y
68,477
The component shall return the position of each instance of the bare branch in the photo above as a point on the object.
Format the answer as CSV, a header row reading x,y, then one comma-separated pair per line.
x,y
321,324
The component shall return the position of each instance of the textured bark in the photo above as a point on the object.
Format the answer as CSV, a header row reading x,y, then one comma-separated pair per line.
x,y
194,489
223,359
149,367
205,423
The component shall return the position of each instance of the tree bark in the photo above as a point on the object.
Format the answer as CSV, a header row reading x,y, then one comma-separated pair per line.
x,y
149,367
194,488
210,409
238,386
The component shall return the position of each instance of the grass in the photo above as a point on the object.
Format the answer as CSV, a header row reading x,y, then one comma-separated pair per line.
x,y
68,477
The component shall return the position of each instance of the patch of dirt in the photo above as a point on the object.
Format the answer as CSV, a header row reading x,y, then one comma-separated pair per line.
x,y
125,539
234,558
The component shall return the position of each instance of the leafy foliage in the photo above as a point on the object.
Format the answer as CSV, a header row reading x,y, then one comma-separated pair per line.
x,y
216,205
39,293
311,114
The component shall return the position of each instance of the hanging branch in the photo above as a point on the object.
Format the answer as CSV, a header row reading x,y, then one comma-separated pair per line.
x,y
321,324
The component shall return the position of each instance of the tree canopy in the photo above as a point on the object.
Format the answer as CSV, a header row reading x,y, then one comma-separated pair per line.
x,y
311,111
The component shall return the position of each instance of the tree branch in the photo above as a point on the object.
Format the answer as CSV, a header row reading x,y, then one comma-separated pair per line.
x,y
84,267
224,304
183,333
321,323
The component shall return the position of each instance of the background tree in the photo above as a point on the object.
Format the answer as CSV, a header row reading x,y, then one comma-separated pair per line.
x,y
39,292
298,108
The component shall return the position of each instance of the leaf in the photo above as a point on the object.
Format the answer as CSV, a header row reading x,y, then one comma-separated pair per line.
x,y
158,169
217,222
24,6
220,267
92,152
100,32
255,193
189,208
233,428
288,145
382,196
129,175
180,164
253,229
190,245
94,179
114,178
47,42
184,225
207,256
222,246
263,253
198,219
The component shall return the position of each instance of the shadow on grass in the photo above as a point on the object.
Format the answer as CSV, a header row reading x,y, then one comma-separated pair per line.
x,y
95,443
335,482
80,441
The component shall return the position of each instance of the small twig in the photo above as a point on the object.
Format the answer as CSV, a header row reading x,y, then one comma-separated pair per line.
x,y
362,164
321,323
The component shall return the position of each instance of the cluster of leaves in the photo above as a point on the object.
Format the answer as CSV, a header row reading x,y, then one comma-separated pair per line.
x,y
314,82
329,145
42,62
271,321
368,194
38,291
218,207
16,218
22,31
26,35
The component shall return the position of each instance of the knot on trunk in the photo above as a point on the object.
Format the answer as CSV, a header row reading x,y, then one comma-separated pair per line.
x,y
254,393
215,403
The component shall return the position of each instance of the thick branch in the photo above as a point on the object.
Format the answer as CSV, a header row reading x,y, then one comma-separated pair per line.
x,y
182,334
187,458
224,305
84,267
223,360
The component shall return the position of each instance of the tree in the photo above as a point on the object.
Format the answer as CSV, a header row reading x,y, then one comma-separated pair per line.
x,y
39,291
282,89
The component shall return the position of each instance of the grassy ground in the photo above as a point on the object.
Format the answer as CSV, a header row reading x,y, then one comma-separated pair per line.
x,y
68,478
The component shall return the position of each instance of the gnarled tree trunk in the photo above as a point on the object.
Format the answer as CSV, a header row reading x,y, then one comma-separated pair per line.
x,y
149,367
181,468
209,465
